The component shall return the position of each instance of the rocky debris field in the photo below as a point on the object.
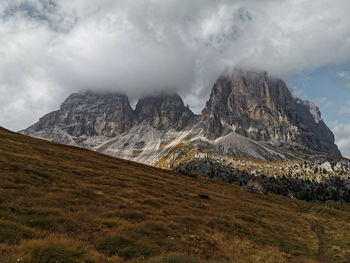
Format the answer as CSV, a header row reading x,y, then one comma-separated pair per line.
x,y
304,180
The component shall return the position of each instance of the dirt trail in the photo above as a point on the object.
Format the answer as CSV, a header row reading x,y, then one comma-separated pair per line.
x,y
321,247
321,253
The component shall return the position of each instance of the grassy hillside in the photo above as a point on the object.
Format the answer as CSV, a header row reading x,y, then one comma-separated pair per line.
x,y
64,204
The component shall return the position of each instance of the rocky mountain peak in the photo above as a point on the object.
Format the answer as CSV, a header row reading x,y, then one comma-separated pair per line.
x,y
250,104
262,108
164,111
248,113
90,114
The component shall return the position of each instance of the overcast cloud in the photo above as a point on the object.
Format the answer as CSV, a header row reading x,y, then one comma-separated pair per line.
x,y
342,131
50,48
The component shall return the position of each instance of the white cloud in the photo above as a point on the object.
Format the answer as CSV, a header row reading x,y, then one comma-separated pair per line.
x,y
342,138
50,48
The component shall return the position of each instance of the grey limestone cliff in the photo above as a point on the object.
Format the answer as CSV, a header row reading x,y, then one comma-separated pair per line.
x,y
90,114
262,108
164,111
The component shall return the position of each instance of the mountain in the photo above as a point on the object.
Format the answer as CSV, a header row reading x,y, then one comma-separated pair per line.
x,y
251,122
262,108
60,203
90,114
164,112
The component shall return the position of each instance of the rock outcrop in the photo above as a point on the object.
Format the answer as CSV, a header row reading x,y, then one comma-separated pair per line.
x,y
90,114
314,132
164,111
262,108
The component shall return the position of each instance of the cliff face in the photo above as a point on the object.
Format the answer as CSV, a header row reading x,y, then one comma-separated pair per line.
x,y
91,114
314,132
164,111
110,114
262,108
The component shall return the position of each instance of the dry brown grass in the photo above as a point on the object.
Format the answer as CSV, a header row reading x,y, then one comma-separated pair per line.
x,y
68,202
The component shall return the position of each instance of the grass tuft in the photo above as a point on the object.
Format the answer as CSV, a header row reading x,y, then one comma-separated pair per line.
x,y
117,245
53,250
174,259
11,232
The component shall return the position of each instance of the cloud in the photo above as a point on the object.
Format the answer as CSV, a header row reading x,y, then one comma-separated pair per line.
x,y
341,132
50,48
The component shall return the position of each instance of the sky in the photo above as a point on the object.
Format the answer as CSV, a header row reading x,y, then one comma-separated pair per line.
x,y
51,48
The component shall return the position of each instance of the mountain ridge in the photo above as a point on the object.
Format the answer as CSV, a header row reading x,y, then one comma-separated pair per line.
x,y
248,114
